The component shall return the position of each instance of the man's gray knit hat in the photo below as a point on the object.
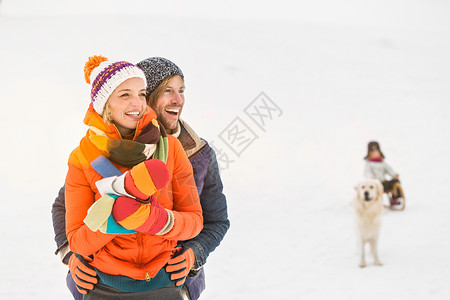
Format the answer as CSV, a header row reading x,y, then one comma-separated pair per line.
x,y
156,69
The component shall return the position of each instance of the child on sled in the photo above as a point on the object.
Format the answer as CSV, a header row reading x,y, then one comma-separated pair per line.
x,y
377,168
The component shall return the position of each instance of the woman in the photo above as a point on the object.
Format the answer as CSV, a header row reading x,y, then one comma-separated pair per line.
x,y
123,134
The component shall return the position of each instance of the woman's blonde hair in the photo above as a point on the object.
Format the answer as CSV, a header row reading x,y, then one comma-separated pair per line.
x,y
159,90
107,114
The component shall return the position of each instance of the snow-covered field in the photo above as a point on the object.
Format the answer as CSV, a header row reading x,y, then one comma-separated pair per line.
x,y
341,75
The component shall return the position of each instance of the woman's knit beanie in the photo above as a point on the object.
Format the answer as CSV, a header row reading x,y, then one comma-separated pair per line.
x,y
156,69
105,76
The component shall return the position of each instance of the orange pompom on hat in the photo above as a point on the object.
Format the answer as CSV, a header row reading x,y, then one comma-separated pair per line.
x,y
105,76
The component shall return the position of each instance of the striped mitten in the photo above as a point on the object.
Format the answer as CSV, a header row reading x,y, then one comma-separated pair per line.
x,y
144,179
149,218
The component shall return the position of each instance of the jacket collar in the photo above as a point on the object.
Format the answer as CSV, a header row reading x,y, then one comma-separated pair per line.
x,y
190,141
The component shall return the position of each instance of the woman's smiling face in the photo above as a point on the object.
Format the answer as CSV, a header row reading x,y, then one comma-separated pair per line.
x,y
127,105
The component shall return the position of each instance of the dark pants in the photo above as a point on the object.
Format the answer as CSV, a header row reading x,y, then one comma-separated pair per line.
x,y
73,287
196,284
393,186
105,292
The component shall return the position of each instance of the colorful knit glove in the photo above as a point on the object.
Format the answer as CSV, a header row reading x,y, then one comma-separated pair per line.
x,y
110,226
99,212
180,265
144,179
149,218
82,273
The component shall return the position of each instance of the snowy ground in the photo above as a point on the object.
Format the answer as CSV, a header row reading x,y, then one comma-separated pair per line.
x,y
341,75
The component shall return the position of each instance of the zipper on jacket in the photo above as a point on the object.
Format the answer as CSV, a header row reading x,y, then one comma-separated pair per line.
x,y
140,254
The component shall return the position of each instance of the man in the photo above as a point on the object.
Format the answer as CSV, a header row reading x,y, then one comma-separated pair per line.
x,y
165,94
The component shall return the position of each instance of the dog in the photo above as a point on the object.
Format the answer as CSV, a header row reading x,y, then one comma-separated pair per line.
x,y
368,206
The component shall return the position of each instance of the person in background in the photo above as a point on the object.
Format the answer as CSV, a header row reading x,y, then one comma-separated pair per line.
x,y
377,168
165,94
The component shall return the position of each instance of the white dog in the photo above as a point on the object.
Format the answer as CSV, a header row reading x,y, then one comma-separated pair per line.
x,y
368,205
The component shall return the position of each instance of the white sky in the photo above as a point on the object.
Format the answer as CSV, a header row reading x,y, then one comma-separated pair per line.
x,y
431,14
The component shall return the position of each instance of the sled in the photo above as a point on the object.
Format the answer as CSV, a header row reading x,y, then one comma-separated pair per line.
x,y
396,206
398,192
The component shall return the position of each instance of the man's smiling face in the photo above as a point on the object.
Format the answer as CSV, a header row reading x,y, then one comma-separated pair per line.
x,y
169,105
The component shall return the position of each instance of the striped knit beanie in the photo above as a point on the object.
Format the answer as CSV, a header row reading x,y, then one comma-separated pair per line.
x,y
156,69
105,76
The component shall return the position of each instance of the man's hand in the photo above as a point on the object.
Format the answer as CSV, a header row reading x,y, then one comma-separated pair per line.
x,y
180,264
83,274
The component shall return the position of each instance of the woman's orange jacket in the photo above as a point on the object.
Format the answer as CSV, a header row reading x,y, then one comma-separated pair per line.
x,y
136,255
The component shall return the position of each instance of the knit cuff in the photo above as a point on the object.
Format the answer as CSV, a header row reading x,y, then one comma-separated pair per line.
x,y
199,253
169,225
63,251
112,185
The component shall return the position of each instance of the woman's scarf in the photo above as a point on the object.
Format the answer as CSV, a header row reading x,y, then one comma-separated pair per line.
x,y
152,140
150,143
376,159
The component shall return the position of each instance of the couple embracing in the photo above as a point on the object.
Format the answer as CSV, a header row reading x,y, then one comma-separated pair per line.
x,y
142,206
